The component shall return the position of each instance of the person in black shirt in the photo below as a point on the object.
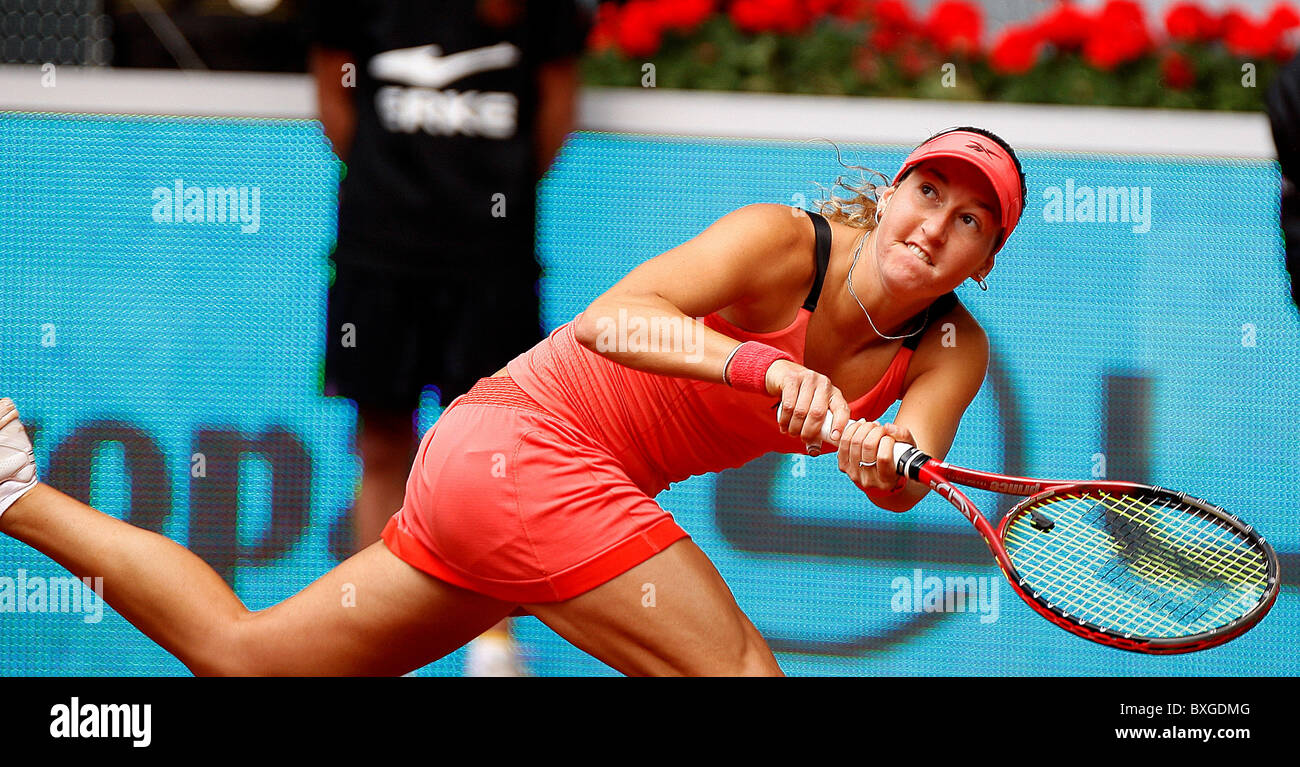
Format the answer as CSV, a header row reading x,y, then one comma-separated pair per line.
x,y
1283,105
447,114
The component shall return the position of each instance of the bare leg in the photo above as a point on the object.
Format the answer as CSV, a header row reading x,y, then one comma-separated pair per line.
x,y
686,623
387,445
371,615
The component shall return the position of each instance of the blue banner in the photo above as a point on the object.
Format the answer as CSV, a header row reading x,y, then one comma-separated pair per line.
x,y
163,287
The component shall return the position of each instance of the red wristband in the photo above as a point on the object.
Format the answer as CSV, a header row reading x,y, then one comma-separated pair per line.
x,y
747,370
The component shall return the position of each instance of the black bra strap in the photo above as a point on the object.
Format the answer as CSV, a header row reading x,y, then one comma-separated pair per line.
x,y
823,230
941,306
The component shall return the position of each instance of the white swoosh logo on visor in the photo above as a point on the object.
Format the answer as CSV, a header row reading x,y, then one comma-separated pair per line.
x,y
424,66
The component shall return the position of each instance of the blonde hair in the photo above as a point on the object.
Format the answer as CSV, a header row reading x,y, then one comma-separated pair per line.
x,y
859,210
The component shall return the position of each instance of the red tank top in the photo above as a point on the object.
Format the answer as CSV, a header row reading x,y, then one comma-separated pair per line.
x,y
663,429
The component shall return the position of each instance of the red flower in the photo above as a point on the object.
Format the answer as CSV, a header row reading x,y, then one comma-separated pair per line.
x,y
750,17
1189,22
850,10
1246,39
893,24
794,14
603,28
955,25
915,59
782,16
1283,17
893,12
1119,35
1067,27
684,15
1016,50
638,30
1229,19
1177,71
1282,20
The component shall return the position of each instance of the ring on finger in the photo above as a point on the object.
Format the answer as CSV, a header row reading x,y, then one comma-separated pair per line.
x,y
864,463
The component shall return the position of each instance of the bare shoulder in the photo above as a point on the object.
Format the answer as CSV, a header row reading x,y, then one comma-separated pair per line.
x,y
956,344
746,264
784,240
784,230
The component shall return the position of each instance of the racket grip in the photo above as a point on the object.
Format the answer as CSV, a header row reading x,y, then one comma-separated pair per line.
x,y
907,459
827,425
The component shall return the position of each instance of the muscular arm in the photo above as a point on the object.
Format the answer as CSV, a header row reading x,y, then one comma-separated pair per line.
x,y
934,403
740,258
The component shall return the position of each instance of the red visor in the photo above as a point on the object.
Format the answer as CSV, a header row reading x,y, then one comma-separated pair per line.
x,y
989,157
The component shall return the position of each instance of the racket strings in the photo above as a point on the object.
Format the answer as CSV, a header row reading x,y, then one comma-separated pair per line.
x,y
1131,589
1240,569
1159,585
1219,552
1133,593
1186,593
1138,565
1076,584
1186,579
1107,603
1206,553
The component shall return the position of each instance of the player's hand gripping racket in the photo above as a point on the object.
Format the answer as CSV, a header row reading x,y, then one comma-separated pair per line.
x,y
1130,566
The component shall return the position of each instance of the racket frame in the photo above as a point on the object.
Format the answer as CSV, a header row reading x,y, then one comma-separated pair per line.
x,y
942,478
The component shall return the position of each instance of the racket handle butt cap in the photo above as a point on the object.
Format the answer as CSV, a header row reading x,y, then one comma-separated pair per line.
x,y
908,459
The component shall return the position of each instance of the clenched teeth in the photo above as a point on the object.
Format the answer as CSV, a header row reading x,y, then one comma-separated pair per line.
x,y
920,253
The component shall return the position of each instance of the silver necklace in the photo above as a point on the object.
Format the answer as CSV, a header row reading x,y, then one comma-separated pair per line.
x,y
848,281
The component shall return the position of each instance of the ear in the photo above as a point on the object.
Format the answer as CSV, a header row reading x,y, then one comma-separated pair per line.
x,y
883,194
984,269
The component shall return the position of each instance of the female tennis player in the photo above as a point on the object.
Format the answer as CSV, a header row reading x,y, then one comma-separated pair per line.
x,y
534,492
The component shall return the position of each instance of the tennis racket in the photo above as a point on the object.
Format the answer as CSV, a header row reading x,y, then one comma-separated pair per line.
x,y
1131,566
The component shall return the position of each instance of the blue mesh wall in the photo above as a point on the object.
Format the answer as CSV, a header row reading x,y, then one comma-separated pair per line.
x,y
131,345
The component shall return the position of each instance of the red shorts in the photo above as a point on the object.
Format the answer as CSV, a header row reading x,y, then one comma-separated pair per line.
x,y
510,501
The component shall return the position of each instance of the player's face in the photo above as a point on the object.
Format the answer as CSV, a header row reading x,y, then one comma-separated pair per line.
x,y
939,227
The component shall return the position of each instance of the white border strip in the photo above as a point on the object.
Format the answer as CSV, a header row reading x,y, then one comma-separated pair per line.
x,y
158,92
906,122
902,122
